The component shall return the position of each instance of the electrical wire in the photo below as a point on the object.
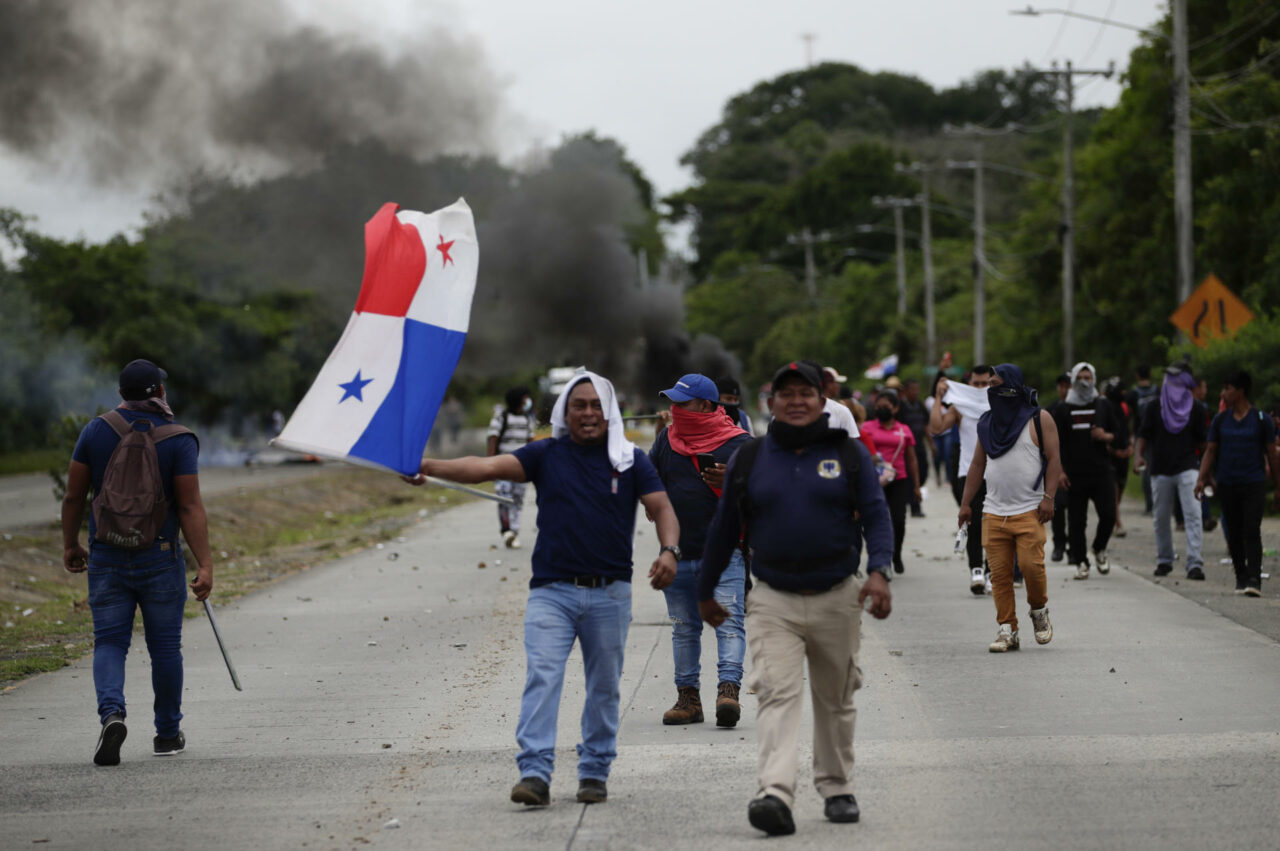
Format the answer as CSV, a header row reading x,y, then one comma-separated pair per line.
x,y
1097,39
1240,38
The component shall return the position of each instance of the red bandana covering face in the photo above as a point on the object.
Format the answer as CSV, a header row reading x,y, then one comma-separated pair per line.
x,y
693,432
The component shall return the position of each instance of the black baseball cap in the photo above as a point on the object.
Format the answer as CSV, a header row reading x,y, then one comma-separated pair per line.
x,y
141,374
809,373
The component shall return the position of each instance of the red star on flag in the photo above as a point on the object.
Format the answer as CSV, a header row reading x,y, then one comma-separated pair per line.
x,y
443,248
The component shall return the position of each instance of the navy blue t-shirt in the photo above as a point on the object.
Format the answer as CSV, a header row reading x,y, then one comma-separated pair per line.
x,y
586,511
691,497
1241,447
177,457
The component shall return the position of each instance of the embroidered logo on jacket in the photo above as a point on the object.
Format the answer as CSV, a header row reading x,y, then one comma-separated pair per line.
x,y
829,469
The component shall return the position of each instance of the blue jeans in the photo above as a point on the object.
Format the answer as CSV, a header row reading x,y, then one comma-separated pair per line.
x,y
686,623
120,582
1165,490
556,615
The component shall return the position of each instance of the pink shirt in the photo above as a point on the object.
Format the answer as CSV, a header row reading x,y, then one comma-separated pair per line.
x,y
887,441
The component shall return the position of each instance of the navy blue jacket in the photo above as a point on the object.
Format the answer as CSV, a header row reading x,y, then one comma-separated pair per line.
x,y
801,512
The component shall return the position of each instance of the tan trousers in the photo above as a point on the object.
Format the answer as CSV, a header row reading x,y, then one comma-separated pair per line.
x,y
1019,537
783,629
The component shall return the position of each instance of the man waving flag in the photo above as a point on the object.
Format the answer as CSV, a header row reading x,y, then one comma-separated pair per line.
x,y
376,397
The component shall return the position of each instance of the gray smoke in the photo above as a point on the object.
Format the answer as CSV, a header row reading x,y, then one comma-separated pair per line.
x,y
276,141
138,89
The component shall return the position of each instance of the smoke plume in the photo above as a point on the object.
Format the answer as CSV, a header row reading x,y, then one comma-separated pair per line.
x,y
275,142
136,89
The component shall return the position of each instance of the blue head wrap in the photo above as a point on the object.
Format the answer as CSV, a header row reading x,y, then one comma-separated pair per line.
x,y
1012,406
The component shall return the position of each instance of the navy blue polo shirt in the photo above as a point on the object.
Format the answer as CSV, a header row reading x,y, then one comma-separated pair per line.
x,y
1241,446
586,510
691,497
800,511
176,456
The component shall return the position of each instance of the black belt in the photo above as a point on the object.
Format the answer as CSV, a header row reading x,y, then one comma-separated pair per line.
x,y
590,581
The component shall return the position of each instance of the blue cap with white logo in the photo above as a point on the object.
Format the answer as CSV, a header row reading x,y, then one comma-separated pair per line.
x,y
693,386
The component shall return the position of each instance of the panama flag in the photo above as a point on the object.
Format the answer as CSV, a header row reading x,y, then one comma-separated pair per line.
x,y
378,394
880,369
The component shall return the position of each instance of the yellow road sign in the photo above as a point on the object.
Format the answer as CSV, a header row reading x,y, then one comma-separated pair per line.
x,y
1212,311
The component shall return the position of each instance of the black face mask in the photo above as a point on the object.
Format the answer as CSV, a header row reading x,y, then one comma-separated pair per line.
x,y
884,414
732,411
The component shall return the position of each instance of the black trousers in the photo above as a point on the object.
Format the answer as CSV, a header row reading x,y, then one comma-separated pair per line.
x,y
898,494
974,544
1059,523
922,464
1101,491
1242,508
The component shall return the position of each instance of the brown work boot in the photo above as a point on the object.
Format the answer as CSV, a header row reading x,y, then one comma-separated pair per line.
x,y
728,710
688,708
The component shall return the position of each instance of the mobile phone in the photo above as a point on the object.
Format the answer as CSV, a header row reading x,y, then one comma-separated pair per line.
x,y
706,461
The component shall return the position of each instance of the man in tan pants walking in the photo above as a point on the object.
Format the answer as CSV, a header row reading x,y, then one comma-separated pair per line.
x,y
804,497
1017,456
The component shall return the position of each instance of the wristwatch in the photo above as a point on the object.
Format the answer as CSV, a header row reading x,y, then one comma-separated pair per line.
x,y
675,551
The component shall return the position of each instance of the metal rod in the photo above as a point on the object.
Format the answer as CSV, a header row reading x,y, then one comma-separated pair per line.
x,y
231,669
473,491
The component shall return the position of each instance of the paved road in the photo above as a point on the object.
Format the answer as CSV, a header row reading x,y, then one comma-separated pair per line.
x,y
377,691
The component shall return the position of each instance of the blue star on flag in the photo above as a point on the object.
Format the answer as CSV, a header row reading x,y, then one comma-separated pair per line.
x,y
353,388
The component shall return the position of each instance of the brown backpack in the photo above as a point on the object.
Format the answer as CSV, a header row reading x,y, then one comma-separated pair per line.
x,y
130,508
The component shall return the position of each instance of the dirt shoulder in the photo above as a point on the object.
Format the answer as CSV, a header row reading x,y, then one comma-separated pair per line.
x,y
258,535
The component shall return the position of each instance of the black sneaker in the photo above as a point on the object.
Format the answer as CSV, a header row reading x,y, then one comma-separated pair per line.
x,y
1059,553
1164,569
531,791
898,567
169,746
842,809
110,739
1195,573
771,815
592,791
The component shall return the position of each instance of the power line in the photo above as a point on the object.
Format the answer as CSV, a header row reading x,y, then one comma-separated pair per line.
x,y
1241,38
1097,39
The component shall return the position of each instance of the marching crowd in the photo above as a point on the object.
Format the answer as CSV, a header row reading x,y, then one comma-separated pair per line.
x,y
760,537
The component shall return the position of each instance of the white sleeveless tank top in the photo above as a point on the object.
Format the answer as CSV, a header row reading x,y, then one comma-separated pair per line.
x,y
1011,476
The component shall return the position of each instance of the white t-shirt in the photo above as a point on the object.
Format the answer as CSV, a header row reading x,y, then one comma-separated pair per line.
x,y
971,403
518,431
841,416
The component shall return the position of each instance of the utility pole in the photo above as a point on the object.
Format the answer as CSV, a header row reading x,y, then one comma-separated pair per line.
x,y
979,255
810,274
1182,195
926,247
898,204
808,39
1067,78
1182,199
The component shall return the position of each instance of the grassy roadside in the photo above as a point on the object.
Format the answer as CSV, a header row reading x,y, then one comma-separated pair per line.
x,y
258,536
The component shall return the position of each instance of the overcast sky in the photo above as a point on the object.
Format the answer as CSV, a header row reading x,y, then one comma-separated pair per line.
x,y
654,75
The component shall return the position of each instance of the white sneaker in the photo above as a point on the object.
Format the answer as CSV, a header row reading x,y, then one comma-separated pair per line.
x,y
508,538
986,585
1082,570
1006,640
977,581
515,542
1100,559
1040,624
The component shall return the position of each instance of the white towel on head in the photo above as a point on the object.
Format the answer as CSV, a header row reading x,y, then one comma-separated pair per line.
x,y
622,452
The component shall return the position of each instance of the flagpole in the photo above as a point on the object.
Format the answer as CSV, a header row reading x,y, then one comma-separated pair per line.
x,y
473,491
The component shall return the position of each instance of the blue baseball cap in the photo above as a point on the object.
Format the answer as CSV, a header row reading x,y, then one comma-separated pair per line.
x,y
693,386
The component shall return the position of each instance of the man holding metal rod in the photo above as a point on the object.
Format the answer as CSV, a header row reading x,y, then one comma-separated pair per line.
x,y
142,469
588,478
